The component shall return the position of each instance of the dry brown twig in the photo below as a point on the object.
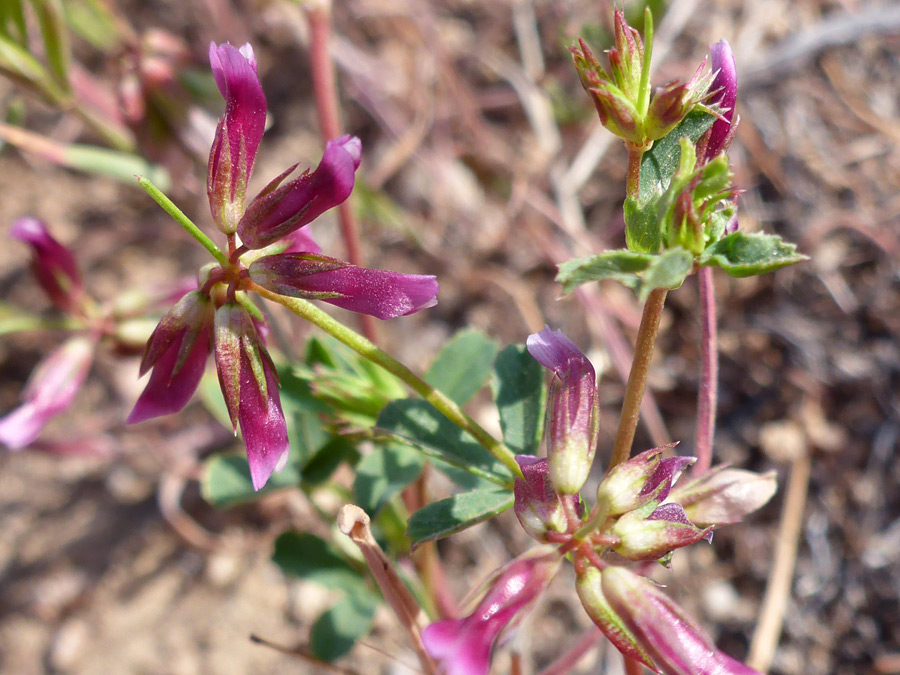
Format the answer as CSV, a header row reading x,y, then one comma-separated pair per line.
x,y
354,522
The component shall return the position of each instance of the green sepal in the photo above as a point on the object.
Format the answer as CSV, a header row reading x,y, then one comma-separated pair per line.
x,y
747,254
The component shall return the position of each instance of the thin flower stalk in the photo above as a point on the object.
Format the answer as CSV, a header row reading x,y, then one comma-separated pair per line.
x,y
367,349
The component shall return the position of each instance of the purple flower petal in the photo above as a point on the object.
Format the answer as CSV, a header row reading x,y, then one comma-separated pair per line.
x,y
553,350
301,241
276,212
463,646
460,651
724,496
381,293
23,425
171,385
725,81
50,390
674,513
52,263
665,476
262,423
238,134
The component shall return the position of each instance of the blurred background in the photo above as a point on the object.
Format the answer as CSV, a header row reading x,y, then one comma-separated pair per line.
x,y
483,164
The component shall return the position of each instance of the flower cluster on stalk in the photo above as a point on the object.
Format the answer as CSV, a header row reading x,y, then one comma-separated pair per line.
x,y
638,516
269,248
57,378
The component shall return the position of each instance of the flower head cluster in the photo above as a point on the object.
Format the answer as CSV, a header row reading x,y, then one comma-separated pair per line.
x,y
56,380
638,516
268,233
622,94
52,386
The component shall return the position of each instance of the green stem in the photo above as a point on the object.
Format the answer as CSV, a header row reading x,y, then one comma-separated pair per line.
x,y
169,207
363,347
20,324
637,378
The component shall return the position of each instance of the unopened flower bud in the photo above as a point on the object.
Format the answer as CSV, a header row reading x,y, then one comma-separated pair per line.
x,y
52,263
538,506
724,86
588,585
572,410
643,478
650,537
674,643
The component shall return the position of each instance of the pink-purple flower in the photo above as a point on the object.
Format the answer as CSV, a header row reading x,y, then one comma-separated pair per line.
x,y
250,385
281,208
282,257
177,352
238,134
539,508
572,411
381,293
52,263
463,646
724,86
50,390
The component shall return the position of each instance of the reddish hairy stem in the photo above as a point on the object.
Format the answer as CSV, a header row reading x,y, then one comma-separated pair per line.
x,y
637,378
328,111
633,181
709,373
